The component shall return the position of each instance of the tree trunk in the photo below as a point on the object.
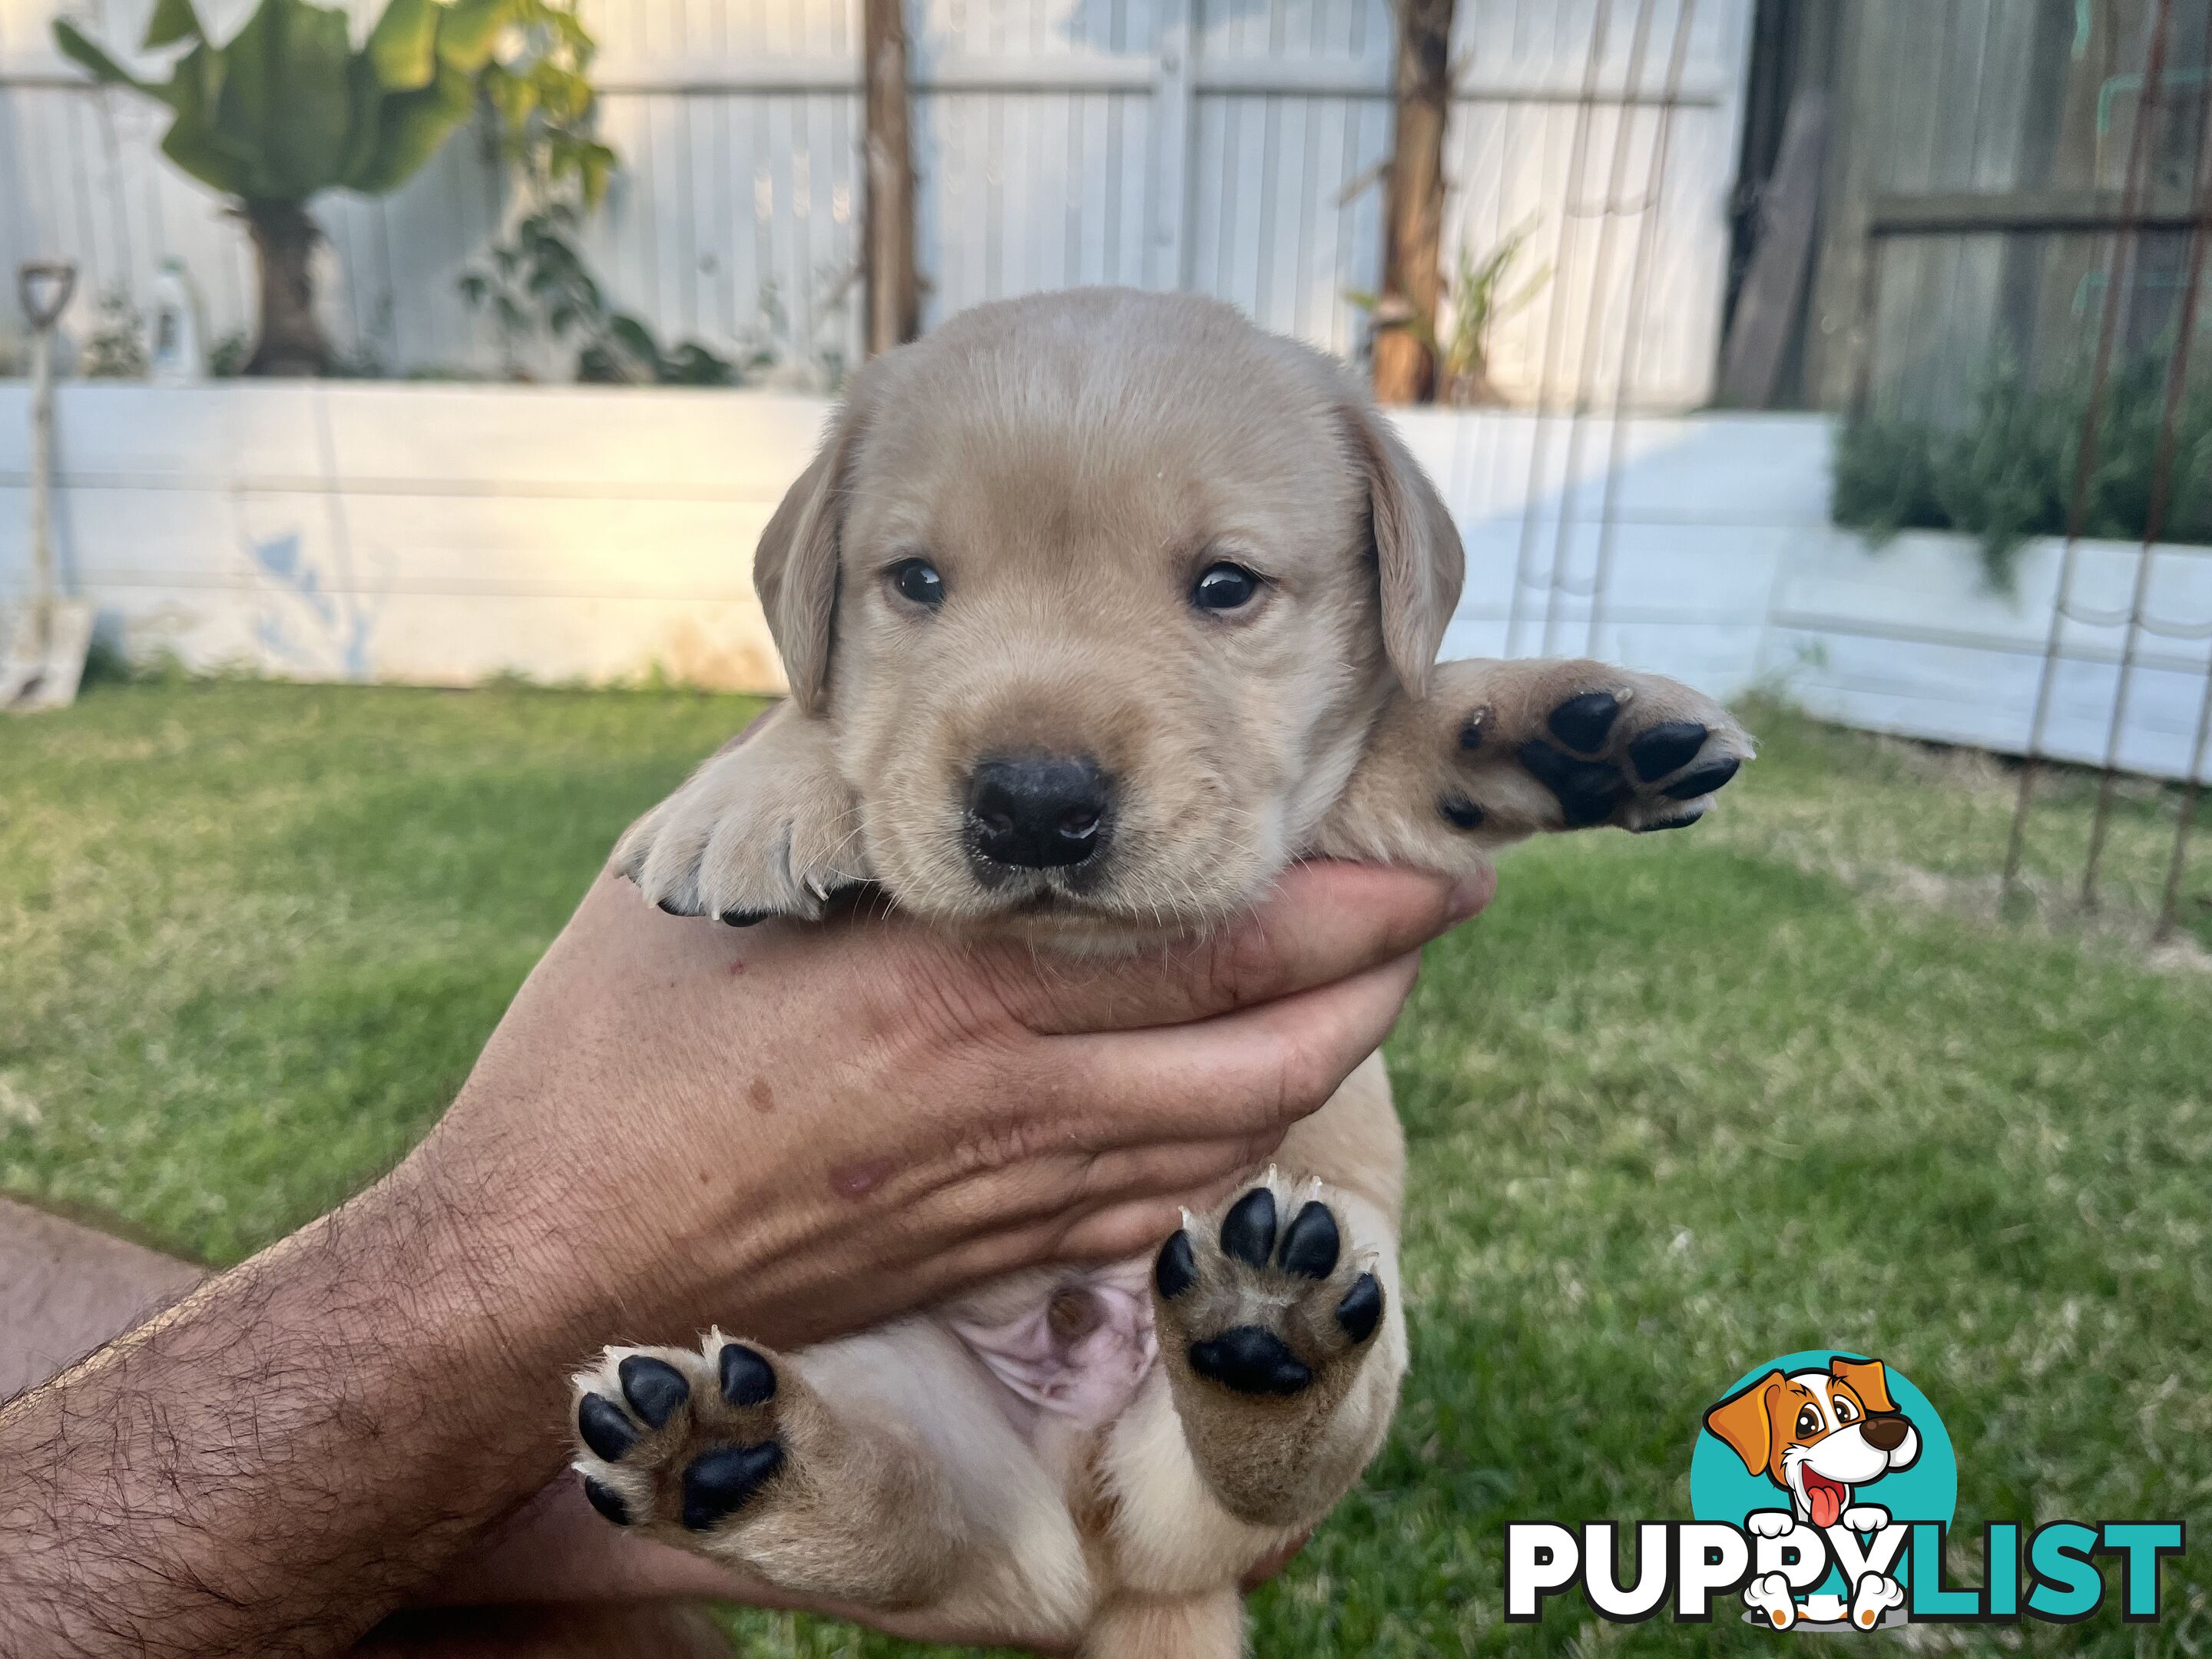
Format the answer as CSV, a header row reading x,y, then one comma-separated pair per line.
x,y
291,339
1414,207
892,293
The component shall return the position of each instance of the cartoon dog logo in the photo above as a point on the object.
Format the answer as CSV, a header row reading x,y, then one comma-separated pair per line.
x,y
1822,1436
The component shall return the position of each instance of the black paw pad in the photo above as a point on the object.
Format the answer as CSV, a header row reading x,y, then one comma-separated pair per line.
x,y
719,1483
1248,1231
1589,790
1361,1310
653,1388
1250,1361
747,1377
1471,733
1674,744
1583,722
1176,1270
1682,823
671,906
603,1427
742,918
1310,1242
607,1501
1704,781
1459,812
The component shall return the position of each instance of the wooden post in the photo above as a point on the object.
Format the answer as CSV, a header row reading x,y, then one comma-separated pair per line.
x,y
894,306
1413,206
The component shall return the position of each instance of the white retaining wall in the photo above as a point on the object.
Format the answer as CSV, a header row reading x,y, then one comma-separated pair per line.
x,y
440,535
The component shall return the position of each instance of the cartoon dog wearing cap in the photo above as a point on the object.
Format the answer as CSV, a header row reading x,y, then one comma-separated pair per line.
x,y
1819,1436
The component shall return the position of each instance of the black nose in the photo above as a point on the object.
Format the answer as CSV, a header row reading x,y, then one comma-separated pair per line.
x,y
1037,811
1885,1432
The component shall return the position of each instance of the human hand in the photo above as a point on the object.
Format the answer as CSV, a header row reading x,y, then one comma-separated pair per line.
x,y
801,1131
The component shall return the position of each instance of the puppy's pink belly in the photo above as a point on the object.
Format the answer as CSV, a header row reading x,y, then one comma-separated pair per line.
x,y
1080,1350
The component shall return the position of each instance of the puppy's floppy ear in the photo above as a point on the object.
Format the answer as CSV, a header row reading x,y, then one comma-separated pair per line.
x,y
1418,556
1867,1378
795,566
1745,1421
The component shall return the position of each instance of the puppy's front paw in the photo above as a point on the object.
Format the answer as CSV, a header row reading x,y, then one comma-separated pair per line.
x,y
1605,744
1865,1517
668,1437
1771,1523
1498,750
1267,1312
766,827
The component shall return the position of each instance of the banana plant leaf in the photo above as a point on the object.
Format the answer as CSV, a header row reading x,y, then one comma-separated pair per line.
x,y
74,46
409,129
172,20
288,107
403,48
286,99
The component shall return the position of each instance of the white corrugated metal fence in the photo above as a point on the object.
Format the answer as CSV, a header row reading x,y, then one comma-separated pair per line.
x,y
1224,146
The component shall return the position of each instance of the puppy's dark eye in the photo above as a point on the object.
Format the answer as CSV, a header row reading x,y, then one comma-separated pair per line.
x,y
1809,1421
1224,586
917,580
1844,1412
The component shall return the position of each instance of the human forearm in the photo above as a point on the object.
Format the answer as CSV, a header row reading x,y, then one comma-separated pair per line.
x,y
276,1461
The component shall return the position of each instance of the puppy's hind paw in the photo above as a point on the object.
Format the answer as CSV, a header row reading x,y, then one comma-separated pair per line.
x,y
1267,1311
766,827
729,1450
1873,1598
1771,1599
670,1438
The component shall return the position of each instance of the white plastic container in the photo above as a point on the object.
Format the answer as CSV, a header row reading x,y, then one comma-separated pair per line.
x,y
179,358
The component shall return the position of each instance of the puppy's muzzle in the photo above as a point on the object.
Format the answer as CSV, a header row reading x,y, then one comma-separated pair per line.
x,y
1038,811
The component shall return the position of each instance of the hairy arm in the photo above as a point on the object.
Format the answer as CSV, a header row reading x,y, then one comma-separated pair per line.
x,y
794,1131
272,1462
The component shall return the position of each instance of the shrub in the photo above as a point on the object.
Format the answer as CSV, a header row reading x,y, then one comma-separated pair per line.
x,y
2006,472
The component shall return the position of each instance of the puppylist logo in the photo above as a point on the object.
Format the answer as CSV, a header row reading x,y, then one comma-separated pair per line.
x,y
1823,1485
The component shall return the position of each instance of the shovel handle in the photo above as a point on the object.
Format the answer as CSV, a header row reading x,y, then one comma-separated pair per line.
x,y
45,286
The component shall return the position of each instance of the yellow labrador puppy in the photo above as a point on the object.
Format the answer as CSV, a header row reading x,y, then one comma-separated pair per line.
x,y
1098,609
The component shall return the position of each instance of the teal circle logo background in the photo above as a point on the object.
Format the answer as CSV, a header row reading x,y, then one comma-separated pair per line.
x,y
1721,1489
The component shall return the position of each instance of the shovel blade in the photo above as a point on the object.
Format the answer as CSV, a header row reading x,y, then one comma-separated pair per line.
x,y
43,666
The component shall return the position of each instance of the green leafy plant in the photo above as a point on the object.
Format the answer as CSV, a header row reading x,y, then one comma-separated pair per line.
x,y
227,357
1478,299
2006,473
116,350
288,107
536,285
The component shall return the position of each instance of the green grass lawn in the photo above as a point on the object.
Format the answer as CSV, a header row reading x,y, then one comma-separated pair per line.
x,y
1677,1104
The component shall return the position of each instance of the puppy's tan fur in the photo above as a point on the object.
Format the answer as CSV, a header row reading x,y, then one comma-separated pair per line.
x,y
1071,463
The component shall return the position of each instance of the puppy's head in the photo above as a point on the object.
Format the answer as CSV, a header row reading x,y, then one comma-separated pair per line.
x,y
1104,589
1817,1434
